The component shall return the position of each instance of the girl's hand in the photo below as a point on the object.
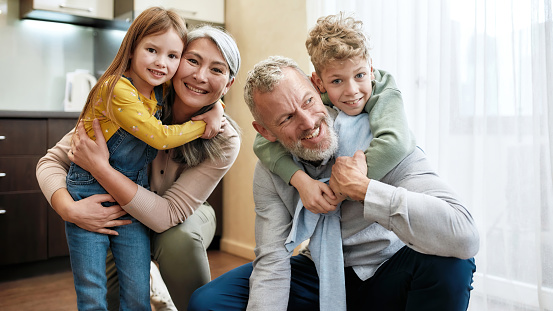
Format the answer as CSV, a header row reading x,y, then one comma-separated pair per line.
x,y
214,120
91,155
316,196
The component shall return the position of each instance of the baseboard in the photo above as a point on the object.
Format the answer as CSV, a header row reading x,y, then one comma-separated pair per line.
x,y
237,249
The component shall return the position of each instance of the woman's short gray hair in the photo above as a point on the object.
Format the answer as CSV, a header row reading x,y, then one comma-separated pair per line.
x,y
199,150
263,78
224,42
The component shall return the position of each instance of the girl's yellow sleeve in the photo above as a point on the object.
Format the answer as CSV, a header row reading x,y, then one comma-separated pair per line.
x,y
136,115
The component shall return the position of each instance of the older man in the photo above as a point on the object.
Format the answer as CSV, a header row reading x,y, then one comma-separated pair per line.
x,y
407,240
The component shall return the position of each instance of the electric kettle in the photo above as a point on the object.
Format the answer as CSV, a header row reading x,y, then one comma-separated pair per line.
x,y
77,86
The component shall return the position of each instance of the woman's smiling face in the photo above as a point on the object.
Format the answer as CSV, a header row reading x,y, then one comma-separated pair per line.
x,y
203,74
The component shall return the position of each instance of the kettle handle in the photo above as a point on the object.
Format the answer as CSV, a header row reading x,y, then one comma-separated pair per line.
x,y
92,80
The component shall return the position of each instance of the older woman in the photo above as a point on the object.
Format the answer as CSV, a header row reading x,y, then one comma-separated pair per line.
x,y
181,179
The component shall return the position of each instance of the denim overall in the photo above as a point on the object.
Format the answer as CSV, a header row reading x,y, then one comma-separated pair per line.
x,y
131,248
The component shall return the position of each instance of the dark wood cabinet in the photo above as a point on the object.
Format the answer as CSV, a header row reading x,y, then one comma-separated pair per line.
x,y
23,137
23,228
30,229
57,245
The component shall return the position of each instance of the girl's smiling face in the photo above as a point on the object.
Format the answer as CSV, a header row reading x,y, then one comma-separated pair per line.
x,y
155,60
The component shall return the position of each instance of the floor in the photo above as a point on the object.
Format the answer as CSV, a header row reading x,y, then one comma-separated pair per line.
x,y
50,286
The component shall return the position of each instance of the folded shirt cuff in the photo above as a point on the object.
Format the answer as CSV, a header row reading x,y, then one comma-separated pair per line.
x,y
378,203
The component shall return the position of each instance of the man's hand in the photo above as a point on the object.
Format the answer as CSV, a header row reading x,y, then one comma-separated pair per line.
x,y
349,177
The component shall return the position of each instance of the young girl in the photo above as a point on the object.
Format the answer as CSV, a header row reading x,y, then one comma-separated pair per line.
x,y
126,101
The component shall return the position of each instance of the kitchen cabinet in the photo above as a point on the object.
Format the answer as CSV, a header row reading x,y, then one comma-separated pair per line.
x,y
87,8
211,11
110,14
30,229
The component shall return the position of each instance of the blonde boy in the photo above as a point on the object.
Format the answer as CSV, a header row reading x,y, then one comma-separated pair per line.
x,y
370,110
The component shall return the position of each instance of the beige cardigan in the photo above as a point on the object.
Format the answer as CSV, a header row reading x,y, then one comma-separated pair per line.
x,y
176,190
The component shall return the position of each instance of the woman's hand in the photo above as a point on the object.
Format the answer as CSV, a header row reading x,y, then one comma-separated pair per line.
x,y
214,120
89,154
93,156
89,213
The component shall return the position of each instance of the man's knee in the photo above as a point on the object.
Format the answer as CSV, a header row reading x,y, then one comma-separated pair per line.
x,y
455,275
213,296
441,283
201,299
230,291
448,280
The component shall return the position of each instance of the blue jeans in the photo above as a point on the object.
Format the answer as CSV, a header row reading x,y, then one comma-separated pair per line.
x,y
181,254
131,248
407,281
88,251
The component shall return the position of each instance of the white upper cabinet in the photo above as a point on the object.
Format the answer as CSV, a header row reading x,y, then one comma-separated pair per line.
x,y
102,9
212,11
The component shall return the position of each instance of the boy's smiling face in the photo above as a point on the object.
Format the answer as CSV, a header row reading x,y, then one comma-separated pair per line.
x,y
348,83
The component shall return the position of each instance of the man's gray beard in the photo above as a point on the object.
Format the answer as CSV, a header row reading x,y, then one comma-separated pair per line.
x,y
314,155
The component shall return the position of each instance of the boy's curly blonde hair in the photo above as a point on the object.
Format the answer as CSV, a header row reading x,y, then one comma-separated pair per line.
x,y
336,37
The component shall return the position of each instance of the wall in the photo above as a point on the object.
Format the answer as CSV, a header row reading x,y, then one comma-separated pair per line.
x,y
35,57
261,29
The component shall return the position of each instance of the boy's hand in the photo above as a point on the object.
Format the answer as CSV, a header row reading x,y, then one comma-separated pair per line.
x,y
316,196
214,120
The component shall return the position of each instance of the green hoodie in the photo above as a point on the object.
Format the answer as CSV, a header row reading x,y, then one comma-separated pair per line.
x,y
392,140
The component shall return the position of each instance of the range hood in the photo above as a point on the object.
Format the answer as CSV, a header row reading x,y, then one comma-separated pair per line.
x,y
119,17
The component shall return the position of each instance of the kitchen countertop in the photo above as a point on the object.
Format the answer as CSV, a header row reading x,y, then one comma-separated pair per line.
x,y
39,114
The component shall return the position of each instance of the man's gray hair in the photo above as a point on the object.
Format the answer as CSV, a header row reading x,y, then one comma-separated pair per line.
x,y
263,78
224,42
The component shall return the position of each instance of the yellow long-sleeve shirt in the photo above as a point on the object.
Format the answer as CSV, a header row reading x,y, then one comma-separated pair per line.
x,y
135,114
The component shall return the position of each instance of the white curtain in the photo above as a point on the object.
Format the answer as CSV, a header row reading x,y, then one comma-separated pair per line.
x,y
477,82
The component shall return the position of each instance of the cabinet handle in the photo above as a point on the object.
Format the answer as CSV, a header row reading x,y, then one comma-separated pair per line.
x,y
2,211
2,174
63,6
2,137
